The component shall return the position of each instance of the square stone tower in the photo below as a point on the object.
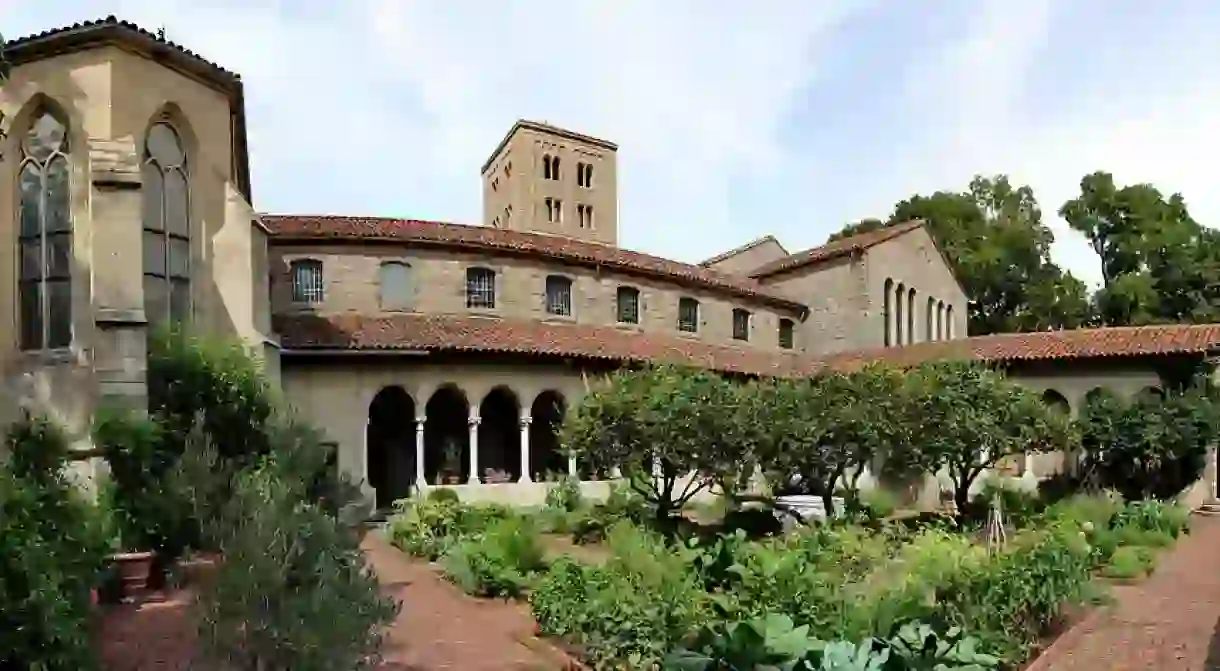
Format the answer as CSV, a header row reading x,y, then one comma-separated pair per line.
x,y
544,179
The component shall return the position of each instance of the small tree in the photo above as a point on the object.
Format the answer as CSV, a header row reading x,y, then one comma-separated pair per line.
x,y
1150,447
970,418
660,425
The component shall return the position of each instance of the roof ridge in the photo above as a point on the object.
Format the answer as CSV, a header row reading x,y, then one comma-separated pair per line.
x,y
742,248
835,248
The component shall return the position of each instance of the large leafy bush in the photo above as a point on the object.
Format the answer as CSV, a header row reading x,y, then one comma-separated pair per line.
x,y
51,552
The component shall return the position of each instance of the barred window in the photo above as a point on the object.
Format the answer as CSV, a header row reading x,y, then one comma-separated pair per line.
x,y
628,305
688,315
559,295
786,339
480,288
44,236
741,324
307,281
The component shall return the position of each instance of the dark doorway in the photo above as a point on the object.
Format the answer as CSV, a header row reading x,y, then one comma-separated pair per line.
x,y
447,437
545,459
391,445
500,436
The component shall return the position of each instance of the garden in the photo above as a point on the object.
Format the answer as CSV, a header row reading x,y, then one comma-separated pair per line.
x,y
217,489
712,572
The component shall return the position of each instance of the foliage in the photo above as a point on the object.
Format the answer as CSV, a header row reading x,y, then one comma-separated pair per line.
x,y
192,379
1150,447
148,511
660,425
443,495
971,418
565,495
1158,264
1129,562
499,562
774,642
429,528
293,591
1020,505
623,503
52,548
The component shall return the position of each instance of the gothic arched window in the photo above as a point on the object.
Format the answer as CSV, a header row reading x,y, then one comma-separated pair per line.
x,y
167,228
44,236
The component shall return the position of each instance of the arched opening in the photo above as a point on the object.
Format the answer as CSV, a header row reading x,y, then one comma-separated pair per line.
x,y
887,312
546,461
447,437
391,445
1150,393
899,319
1056,401
499,436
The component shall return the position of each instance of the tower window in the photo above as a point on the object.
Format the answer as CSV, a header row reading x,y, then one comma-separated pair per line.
x,y
480,288
584,175
550,167
308,285
741,324
786,339
44,237
584,213
627,303
559,295
554,210
688,315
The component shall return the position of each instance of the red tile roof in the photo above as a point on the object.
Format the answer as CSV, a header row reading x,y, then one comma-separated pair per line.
x,y
1111,342
439,333
485,238
742,249
834,250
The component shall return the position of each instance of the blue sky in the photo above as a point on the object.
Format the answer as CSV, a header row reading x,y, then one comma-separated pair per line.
x,y
734,119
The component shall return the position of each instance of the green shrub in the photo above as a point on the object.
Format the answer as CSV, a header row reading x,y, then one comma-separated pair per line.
x,y
429,528
52,549
443,495
1154,516
1129,562
1020,506
500,562
565,495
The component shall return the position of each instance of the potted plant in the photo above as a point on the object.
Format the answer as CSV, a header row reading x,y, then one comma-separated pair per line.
x,y
451,468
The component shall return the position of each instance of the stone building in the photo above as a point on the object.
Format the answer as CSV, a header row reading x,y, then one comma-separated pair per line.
x,y
428,352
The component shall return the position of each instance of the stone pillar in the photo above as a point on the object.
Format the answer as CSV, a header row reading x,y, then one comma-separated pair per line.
x,y
474,447
1029,464
572,466
364,454
420,482
525,446
616,472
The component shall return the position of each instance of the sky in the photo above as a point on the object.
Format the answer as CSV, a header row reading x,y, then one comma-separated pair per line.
x,y
733,119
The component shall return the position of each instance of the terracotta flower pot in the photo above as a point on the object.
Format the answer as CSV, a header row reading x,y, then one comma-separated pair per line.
x,y
133,569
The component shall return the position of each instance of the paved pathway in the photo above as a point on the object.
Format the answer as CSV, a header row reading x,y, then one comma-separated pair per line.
x,y
1168,623
440,628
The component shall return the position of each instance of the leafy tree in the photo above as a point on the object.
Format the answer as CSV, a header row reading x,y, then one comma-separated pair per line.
x,y
970,418
1158,264
993,236
824,431
659,426
1149,447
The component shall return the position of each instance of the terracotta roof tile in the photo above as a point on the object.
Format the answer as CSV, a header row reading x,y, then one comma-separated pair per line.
x,y
739,250
835,249
484,238
1051,345
439,333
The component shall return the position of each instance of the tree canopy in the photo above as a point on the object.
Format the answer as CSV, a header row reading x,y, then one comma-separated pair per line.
x,y
1158,264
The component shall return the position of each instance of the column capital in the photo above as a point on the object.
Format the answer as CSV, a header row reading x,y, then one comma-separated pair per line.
x,y
420,422
473,420
524,421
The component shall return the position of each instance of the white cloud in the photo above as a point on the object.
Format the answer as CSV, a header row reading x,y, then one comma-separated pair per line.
x,y
389,107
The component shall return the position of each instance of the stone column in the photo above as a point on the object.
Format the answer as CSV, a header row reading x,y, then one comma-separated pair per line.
x,y
572,466
420,482
364,454
1028,465
525,446
474,447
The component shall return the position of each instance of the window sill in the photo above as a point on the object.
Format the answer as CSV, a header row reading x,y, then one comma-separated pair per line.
x,y
563,319
628,326
484,312
50,357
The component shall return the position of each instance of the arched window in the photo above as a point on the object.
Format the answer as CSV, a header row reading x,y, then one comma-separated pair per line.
x,y
931,331
887,312
559,295
480,288
555,167
940,320
308,284
546,166
899,320
395,284
911,316
167,230
949,322
44,236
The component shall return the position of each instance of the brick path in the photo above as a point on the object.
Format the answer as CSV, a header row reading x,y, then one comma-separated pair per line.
x,y
1171,622
438,629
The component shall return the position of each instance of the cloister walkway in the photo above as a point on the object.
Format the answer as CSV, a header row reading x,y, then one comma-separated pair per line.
x,y
1170,622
